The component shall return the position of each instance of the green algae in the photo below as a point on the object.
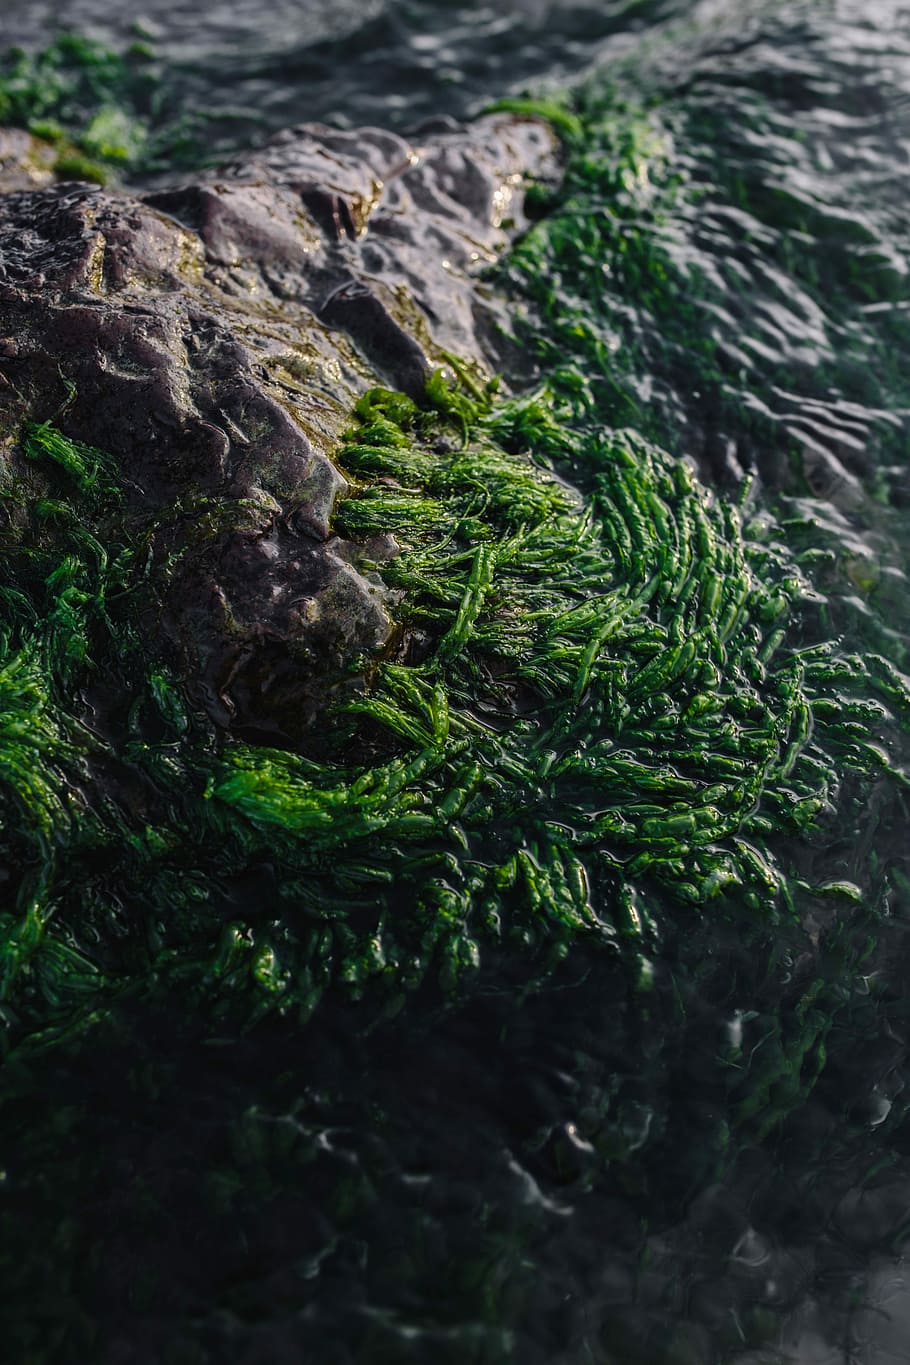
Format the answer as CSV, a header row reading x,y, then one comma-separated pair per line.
x,y
108,113
616,701
710,300
596,719
75,93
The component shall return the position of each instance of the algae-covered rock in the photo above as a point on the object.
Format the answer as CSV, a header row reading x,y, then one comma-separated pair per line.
x,y
213,337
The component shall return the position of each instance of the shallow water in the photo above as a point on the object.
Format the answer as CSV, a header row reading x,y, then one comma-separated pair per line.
x,y
381,61
429,1188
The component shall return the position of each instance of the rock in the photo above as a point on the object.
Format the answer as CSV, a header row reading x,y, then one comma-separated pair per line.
x,y
26,162
213,335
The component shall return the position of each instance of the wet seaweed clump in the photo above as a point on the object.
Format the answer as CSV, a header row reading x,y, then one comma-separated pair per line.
x,y
603,713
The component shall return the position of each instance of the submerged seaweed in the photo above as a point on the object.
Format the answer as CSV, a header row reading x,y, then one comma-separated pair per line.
x,y
728,305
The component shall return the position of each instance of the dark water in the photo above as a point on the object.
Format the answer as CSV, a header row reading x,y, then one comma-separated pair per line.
x,y
376,61
425,1189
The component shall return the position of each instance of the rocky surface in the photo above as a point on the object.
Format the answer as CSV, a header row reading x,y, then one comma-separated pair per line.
x,y
25,161
213,335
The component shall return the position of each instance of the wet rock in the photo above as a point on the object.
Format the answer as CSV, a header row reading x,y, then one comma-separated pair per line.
x,y
377,235
25,161
213,335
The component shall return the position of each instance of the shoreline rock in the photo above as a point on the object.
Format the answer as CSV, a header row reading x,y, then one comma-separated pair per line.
x,y
213,336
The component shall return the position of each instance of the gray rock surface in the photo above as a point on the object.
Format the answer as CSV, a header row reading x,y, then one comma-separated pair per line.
x,y
213,336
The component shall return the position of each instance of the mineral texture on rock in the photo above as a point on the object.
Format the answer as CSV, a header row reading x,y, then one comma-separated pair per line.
x,y
212,337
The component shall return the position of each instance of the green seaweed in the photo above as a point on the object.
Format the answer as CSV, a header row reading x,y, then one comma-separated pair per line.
x,y
680,285
110,114
616,704
604,723
77,93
